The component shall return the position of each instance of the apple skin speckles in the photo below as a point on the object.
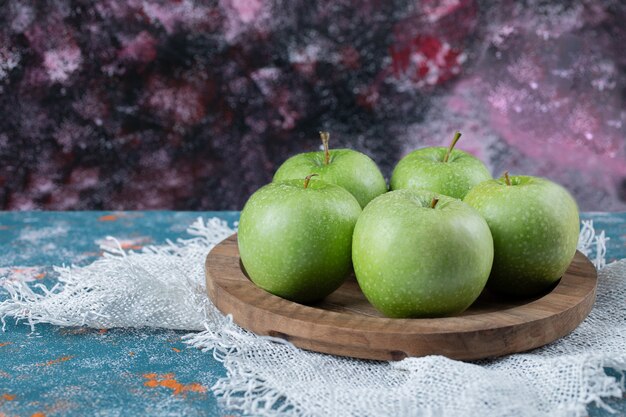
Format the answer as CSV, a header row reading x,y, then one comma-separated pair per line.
x,y
296,242
415,261
425,169
535,226
352,170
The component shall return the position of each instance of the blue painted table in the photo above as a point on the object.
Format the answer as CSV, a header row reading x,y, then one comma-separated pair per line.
x,y
79,371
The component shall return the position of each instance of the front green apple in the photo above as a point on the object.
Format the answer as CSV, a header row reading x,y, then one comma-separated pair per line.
x,y
352,170
535,225
445,171
415,260
295,238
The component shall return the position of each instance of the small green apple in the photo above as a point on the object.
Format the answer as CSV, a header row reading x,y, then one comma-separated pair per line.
x,y
352,170
421,254
535,226
445,171
295,238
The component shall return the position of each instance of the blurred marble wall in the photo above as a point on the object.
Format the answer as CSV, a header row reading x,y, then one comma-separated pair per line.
x,y
144,104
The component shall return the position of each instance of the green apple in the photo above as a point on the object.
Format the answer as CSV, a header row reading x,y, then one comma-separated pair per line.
x,y
446,171
535,226
421,254
352,170
295,238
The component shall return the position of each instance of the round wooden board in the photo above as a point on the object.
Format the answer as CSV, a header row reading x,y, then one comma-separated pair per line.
x,y
346,324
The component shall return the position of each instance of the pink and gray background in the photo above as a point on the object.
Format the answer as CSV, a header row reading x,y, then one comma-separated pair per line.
x,y
143,104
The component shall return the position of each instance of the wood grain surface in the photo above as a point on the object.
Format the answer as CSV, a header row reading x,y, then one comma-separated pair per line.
x,y
346,324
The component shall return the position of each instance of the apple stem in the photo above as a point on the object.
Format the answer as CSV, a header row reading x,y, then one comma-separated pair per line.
x,y
457,136
325,138
307,179
434,202
507,180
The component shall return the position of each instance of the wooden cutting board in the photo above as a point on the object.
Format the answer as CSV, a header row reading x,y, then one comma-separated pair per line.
x,y
346,324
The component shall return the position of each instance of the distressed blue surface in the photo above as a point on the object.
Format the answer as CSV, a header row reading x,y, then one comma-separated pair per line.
x,y
77,371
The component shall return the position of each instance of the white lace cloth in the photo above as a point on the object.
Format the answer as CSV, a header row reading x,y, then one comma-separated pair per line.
x,y
163,286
